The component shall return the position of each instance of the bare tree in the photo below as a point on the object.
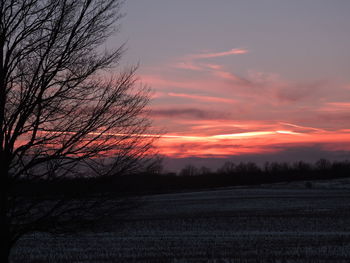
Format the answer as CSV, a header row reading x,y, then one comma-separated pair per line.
x,y
62,111
189,170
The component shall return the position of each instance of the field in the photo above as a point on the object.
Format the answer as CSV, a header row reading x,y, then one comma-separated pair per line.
x,y
281,223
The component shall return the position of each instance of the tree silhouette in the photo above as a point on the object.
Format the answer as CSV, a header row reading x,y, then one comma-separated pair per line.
x,y
62,111
189,170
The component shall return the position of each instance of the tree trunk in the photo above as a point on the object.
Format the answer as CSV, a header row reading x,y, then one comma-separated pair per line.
x,y
5,222
4,252
5,239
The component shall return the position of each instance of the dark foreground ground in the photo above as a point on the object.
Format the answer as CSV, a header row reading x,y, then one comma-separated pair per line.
x,y
265,224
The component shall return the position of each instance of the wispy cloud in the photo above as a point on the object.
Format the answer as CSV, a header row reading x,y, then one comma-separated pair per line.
x,y
191,65
212,66
255,142
234,51
188,66
213,110
188,113
190,62
201,97
301,127
336,106
226,75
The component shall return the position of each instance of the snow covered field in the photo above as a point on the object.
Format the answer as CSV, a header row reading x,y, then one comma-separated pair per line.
x,y
266,224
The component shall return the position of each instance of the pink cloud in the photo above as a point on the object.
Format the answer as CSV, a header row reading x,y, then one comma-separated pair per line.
x,y
201,97
159,82
226,75
336,106
209,83
256,142
212,66
234,51
264,111
191,113
188,65
230,124
301,127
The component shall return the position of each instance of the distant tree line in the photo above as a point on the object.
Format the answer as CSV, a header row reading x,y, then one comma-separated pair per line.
x,y
153,180
286,171
251,173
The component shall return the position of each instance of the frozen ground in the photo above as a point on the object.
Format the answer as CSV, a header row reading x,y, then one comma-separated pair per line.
x,y
285,223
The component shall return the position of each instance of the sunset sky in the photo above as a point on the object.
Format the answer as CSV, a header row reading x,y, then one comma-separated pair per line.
x,y
243,77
